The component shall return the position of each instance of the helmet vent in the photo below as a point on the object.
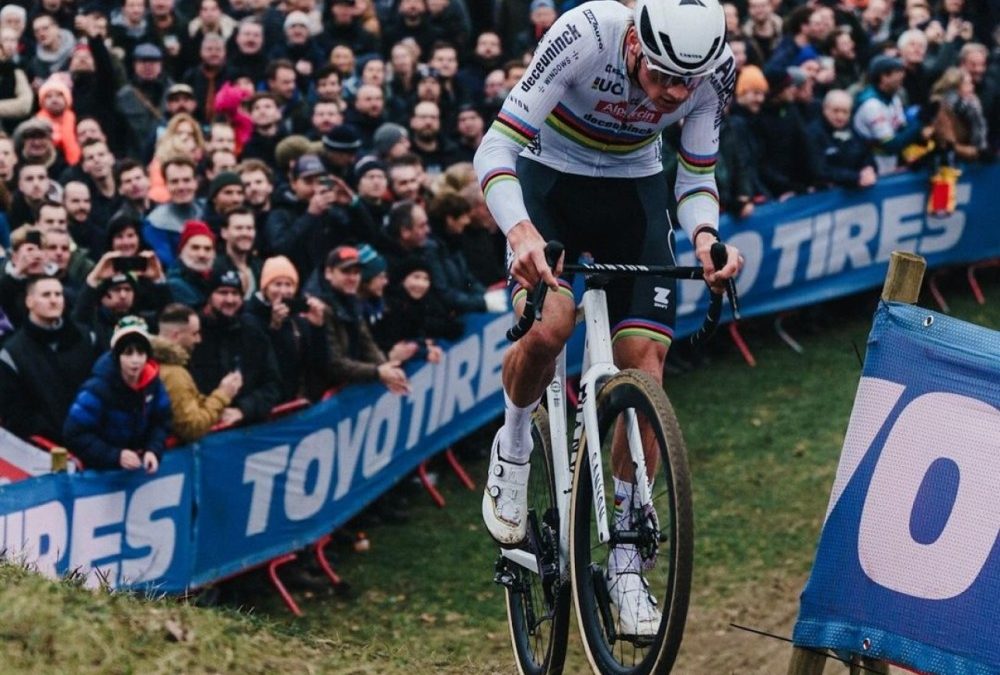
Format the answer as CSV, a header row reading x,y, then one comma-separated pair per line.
x,y
646,32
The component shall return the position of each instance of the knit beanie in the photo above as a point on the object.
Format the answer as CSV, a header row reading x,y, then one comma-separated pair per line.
x,y
387,136
277,267
372,264
195,228
221,180
751,78
127,330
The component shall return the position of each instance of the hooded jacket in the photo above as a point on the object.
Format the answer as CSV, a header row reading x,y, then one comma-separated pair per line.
x,y
108,415
194,414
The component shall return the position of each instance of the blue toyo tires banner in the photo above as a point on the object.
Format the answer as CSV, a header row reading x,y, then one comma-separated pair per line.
x,y
829,244
908,564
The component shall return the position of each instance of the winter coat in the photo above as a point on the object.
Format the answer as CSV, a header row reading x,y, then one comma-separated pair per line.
x,y
299,346
451,278
108,415
187,286
40,372
194,414
837,157
353,354
408,319
784,166
230,344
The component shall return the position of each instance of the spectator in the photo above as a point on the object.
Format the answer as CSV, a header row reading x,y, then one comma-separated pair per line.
x,y
281,83
471,128
265,113
204,79
56,103
326,116
8,164
367,113
190,278
406,176
225,193
121,417
917,79
167,220
328,88
795,45
64,261
249,56
412,21
27,260
542,14
239,233
98,173
258,187
294,328
43,364
843,49
218,162
407,234
125,239
960,125
973,59
483,243
83,228
106,298
133,186
838,156
340,150
33,189
390,141
413,313
435,152
33,142
354,356
230,344
373,188
140,102
194,414
444,59
299,49
785,171
878,114
129,27
457,287
16,96
487,57
53,48
342,26
737,176
762,27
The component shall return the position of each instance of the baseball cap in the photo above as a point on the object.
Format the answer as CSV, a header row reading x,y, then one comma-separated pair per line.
x,y
308,165
147,51
180,88
343,257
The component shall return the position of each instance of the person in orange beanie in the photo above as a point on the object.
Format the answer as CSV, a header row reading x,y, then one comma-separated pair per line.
x,y
56,101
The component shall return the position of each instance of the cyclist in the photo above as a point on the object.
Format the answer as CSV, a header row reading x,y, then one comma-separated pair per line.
x,y
575,155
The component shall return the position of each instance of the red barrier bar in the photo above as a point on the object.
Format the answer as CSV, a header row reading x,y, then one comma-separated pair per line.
x,y
970,274
320,549
459,470
289,407
426,482
734,333
279,585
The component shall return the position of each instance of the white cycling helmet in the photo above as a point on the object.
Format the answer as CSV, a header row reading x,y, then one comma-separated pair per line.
x,y
684,38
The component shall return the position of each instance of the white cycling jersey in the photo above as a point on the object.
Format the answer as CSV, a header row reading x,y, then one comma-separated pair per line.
x,y
576,110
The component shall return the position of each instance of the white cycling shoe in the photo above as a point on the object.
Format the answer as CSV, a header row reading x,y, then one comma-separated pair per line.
x,y
505,500
638,615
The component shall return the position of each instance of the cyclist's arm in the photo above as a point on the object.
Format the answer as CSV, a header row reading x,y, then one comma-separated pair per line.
x,y
695,187
561,55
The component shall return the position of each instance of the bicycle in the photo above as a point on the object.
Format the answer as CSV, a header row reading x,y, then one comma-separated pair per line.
x,y
568,533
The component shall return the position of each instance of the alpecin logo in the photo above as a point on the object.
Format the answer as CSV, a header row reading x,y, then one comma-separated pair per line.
x,y
555,48
620,112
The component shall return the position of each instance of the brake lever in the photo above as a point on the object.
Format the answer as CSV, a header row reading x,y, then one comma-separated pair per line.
x,y
719,259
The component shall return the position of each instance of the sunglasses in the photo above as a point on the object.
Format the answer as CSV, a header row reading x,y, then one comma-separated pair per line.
x,y
666,80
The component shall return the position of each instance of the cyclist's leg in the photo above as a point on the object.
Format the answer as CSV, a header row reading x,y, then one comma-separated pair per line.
x,y
528,368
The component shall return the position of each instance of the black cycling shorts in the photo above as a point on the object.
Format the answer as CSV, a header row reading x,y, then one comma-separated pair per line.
x,y
615,220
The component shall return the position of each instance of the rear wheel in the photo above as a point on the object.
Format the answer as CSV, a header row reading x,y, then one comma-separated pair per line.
x,y
657,537
538,603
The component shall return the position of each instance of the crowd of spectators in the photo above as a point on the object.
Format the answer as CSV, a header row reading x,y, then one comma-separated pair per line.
x,y
261,200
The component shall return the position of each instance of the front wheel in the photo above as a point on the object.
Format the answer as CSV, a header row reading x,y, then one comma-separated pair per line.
x,y
538,602
652,544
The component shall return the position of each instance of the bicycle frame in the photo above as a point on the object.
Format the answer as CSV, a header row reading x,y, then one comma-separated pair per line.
x,y
598,366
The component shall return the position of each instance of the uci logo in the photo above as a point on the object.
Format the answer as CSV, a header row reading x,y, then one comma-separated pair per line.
x,y
600,84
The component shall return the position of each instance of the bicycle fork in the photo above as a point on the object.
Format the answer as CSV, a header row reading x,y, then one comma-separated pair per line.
x,y
598,366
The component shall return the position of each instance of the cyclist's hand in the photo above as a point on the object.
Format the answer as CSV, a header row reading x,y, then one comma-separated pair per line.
x,y
529,265
716,279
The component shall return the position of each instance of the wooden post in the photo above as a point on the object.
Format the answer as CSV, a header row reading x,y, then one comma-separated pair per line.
x,y
59,457
902,284
903,280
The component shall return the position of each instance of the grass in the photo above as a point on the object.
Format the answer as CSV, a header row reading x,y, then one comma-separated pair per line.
x,y
763,443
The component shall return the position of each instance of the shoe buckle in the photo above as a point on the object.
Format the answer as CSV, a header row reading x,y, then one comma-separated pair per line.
x,y
497,470
494,491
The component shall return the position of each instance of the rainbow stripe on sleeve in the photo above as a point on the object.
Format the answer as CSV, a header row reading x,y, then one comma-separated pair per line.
x,y
698,192
514,128
495,177
697,164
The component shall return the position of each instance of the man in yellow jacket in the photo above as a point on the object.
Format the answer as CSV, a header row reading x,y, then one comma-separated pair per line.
x,y
194,414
